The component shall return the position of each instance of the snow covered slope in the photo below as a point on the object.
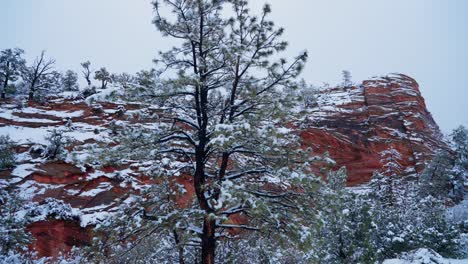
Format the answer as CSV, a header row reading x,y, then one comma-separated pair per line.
x,y
424,256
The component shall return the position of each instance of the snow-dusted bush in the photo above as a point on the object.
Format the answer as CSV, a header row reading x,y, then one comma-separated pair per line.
x,y
37,151
120,111
423,256
57,142
97,109
7,155
88,91
407,219
18,258
53,208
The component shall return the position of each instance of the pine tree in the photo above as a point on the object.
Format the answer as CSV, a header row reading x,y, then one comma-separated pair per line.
x,y
11,64
386,182
13,234
146,79
460,144
223,125
437,178
7,154
346,234
347,82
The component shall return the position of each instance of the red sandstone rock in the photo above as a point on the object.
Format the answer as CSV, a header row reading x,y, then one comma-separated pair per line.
x,y
58,173
55,236
355,124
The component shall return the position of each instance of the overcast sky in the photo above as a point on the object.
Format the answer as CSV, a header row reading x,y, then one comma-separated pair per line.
x,y
426,39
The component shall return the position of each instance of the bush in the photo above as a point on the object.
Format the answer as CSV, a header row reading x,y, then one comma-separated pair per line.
x,y
87,92
57,143
7,155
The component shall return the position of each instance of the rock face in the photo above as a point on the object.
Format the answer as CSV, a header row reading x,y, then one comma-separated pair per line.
x,y
356,125
53,237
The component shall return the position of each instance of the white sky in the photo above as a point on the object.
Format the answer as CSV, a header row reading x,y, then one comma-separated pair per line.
x,y
426,39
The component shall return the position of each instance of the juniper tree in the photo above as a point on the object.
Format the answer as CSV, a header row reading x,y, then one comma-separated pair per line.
x,y
229,103
103,76
87,71
124,79
39,75
11,64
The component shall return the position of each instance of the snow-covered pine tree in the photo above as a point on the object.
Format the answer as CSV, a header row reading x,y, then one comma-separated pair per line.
x,y
460,144
7,154
386,183
146,78
70,81
346,233
13,234
459,138
11,64
346,75
227,105
438,176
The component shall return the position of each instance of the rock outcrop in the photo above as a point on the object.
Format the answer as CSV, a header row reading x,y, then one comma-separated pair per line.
x,y
357,124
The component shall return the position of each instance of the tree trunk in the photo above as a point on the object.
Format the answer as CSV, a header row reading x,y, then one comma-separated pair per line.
x,y
208,240
31,93
180,247
5,85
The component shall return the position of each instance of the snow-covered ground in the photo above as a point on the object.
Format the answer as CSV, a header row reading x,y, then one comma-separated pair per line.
x,y
424,256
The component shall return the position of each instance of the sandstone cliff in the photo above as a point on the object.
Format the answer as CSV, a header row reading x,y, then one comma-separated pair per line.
x,y
356,124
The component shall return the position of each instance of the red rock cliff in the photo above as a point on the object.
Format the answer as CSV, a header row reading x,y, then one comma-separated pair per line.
x,y
356,124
